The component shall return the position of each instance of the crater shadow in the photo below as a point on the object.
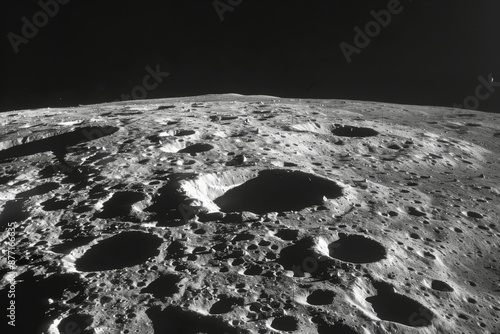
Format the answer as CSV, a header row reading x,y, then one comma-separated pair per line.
x,y
353,131
174,319
120,251
357,249
164,286
58,143
120,204
278,191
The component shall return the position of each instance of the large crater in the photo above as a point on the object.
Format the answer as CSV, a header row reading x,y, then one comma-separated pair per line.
x,y
278,191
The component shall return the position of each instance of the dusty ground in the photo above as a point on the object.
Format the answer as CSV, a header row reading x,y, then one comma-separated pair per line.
x,y
250,214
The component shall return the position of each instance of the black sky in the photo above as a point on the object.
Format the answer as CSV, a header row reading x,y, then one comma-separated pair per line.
x,y
431,53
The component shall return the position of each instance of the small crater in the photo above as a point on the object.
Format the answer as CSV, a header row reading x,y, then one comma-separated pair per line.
x,y
353,131
394,147
165,107
415,212
285,323
76,323
473,214
120,251
357,249
321,297
164,286
196,148
244,237
278,191
441,286
181,133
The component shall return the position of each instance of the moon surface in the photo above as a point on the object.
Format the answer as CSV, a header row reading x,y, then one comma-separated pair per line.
x,y
251,214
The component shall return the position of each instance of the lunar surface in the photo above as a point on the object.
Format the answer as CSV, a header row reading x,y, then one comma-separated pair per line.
x,y
224,214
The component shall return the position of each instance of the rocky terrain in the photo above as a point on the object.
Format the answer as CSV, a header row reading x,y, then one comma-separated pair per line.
x,y
250,214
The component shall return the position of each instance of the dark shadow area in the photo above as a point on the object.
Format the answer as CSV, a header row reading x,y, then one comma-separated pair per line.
x,y
391,306
164,286
58,144
13,211
321,297
353,131
120,251
166,207
68,246
441,286
181,133
331,326
175,320
288,234
254,270
415,212
39,190
226,304
285,323
278,191
76,324
120,204
33,312
302,258
196,148
325,328
4,179
357,249
55,204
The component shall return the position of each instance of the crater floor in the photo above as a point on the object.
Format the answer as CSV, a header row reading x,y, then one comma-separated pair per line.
x,y
250,214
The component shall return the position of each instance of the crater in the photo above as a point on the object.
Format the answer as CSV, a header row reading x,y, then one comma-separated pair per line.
x,y
441,286
278,191
353,131
174,319
285,323
391,306
357,249
120,251
321,297
225,305
196,148
181,133
59,143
